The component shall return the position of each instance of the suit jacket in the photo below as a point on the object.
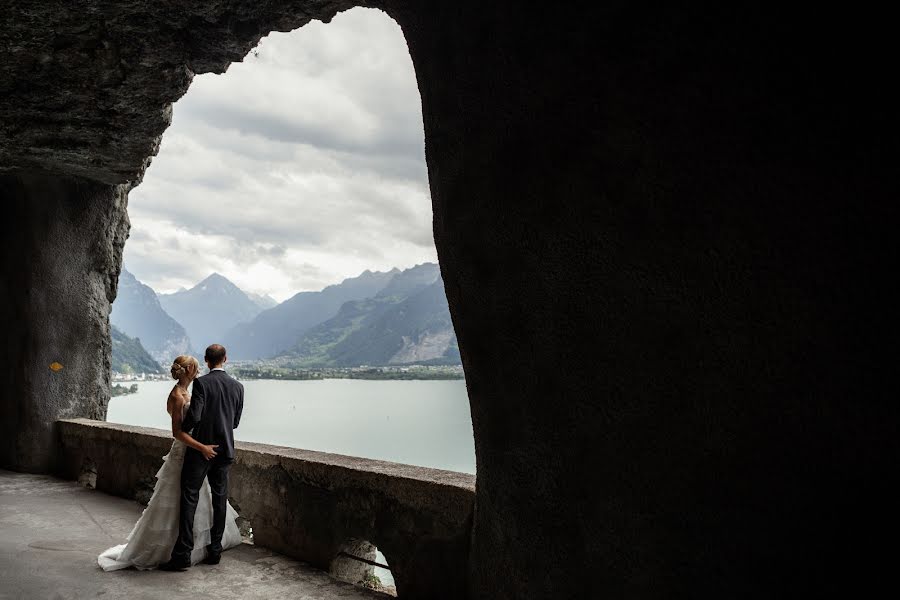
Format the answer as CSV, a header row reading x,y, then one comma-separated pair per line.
x,y
215,412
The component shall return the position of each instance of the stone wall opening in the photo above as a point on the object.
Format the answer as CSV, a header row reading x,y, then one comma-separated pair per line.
x,y
303,139
299,167
243,522
88,475
361,563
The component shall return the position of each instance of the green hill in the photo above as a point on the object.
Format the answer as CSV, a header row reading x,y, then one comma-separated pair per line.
x,y
129,356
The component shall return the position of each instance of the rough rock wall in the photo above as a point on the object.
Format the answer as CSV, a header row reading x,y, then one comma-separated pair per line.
x,y
86,87
62,243
655,228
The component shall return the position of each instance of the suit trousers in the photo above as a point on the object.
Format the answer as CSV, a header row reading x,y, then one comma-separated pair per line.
x,y
194,469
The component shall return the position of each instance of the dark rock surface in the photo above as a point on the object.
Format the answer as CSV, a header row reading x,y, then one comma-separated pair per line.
x,y
86,88
61,243
666,240
665,234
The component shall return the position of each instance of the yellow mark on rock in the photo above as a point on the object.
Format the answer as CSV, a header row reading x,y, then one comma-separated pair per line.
x,y
55,366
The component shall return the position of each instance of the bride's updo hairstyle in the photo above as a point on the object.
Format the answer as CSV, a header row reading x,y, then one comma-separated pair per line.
x,y
183,365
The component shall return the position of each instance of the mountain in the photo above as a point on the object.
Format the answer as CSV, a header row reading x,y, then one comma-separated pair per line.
x,y
137,313
209,309
406,322
263,302
129,356
279,328
406,283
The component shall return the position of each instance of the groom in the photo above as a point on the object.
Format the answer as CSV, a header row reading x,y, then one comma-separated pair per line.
x,y
214,414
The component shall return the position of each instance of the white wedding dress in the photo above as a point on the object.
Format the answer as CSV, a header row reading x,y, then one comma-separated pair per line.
x,y
153,536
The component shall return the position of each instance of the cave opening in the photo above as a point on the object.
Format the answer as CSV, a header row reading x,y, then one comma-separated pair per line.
x,y
288,216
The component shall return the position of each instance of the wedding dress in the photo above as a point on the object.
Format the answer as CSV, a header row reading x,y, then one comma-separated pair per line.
x,y
150,541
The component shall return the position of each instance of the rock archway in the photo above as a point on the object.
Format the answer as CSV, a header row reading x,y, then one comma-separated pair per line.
x,y
653,226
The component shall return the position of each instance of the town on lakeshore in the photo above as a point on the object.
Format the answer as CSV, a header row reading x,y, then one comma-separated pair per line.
x,y
275,369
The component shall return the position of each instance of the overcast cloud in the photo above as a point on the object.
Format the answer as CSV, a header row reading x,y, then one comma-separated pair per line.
x,y
297,168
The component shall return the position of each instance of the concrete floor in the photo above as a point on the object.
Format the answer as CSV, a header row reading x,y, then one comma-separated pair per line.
x,y
51,532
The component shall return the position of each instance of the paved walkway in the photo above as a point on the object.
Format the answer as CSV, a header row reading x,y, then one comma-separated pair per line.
x,y
51,532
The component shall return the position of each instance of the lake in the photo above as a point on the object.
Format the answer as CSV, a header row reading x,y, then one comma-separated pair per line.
x,y
425,423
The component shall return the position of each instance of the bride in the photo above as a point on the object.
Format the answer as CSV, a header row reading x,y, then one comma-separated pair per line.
x,y
150,541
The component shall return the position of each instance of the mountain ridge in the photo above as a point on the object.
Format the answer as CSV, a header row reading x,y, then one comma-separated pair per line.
x,y
377,318
138,313
278,328
210,308
407,322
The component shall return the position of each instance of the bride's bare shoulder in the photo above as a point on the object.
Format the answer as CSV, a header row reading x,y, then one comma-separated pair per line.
x,y
175,400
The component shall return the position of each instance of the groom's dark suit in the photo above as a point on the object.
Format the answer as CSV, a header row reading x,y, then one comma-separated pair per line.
x,y
214,413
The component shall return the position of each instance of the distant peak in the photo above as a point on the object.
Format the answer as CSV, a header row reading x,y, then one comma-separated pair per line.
x,y
217,280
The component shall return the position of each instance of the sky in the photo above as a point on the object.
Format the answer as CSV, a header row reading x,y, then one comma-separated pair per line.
x,y
297,168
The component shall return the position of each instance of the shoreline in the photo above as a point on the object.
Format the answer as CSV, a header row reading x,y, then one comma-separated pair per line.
x,y
267,377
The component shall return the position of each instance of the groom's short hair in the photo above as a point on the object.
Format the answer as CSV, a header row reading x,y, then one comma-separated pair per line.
x,y
215,354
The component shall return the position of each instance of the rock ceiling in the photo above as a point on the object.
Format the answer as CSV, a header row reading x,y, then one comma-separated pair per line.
x,y
87,88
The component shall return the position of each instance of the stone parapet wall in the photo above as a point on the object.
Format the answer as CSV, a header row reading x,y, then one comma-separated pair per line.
x,y
307,505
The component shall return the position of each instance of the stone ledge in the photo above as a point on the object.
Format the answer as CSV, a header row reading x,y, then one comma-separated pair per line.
x,y
253,451
305,504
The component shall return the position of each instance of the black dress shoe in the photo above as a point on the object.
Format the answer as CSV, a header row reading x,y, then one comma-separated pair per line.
x,y
173,566
212,559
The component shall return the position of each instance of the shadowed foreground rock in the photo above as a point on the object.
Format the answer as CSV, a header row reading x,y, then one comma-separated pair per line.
x,y
61,242
667,242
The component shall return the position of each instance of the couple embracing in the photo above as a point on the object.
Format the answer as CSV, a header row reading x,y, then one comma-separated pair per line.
x,y
188,519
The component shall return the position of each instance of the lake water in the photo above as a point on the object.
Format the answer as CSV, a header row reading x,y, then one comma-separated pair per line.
x,y
425,423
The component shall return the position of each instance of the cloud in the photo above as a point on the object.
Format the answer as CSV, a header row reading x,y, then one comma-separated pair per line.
x,y
295,169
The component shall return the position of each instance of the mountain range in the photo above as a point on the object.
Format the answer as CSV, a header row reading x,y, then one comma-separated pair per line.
x,y
376,318
406,322
279,328
138,313
211,308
